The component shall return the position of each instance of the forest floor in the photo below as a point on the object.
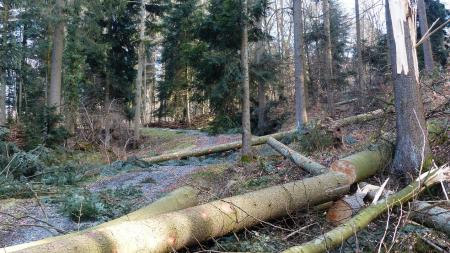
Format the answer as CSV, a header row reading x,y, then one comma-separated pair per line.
x,y
124,186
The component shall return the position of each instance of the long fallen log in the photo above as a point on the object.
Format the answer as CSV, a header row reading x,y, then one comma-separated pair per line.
x,y
176,230
431,216
257,140
301,161
337,236
178,199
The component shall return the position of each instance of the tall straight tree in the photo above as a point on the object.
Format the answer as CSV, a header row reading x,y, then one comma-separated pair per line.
x,y
54,93
412,148
259,53
5,20
329,79
246,131
140,73
426,46
359,60
300,105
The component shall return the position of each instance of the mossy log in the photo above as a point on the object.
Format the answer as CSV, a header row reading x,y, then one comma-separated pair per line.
x,y
257,140
180,198
301,161
431,216
337,236
176,230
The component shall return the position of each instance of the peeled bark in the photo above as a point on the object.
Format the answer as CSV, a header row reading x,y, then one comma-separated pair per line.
x,y
301,161
246,131
412,147
181,198
176,230
300,105
431,216
337,236
423,24
54,96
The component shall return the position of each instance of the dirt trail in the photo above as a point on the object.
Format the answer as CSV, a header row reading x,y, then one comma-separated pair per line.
x,y
35,220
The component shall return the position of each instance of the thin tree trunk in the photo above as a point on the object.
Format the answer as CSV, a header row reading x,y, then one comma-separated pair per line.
x,y
3,69
412,148
329,78
261,86
54,96
246,131
140,71
426,46
300,105
359,61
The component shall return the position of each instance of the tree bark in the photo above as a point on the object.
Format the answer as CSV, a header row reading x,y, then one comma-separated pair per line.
x,y
140,72
301,161
54,96
300,105
337,236
359,61
431,216
246,131
176,230
329,78
426,46
178,199
412,148
5,17
259,53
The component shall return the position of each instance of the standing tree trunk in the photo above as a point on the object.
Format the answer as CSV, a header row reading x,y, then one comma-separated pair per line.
x,y
329,79
54,96
412,142
246,131
3,68
423,24
300,105
261,86
359,61
140,71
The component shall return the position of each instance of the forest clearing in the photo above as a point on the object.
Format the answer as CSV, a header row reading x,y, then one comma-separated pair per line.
x,y
224,126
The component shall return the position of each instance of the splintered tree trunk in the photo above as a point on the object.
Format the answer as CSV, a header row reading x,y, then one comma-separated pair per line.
x,y
300,105
412,141
54,96
140,72
329,79
246,131
173,231
423,24
178,199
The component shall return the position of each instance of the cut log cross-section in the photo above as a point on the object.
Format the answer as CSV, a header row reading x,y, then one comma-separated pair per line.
x,y
176,230
301,161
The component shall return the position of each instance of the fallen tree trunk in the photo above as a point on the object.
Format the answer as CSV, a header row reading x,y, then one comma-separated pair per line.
x,y
337,236
431,216
176,230
215,149
178,199
257,140
301,161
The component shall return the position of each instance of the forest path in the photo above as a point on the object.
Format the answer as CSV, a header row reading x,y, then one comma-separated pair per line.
x,y
37,218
